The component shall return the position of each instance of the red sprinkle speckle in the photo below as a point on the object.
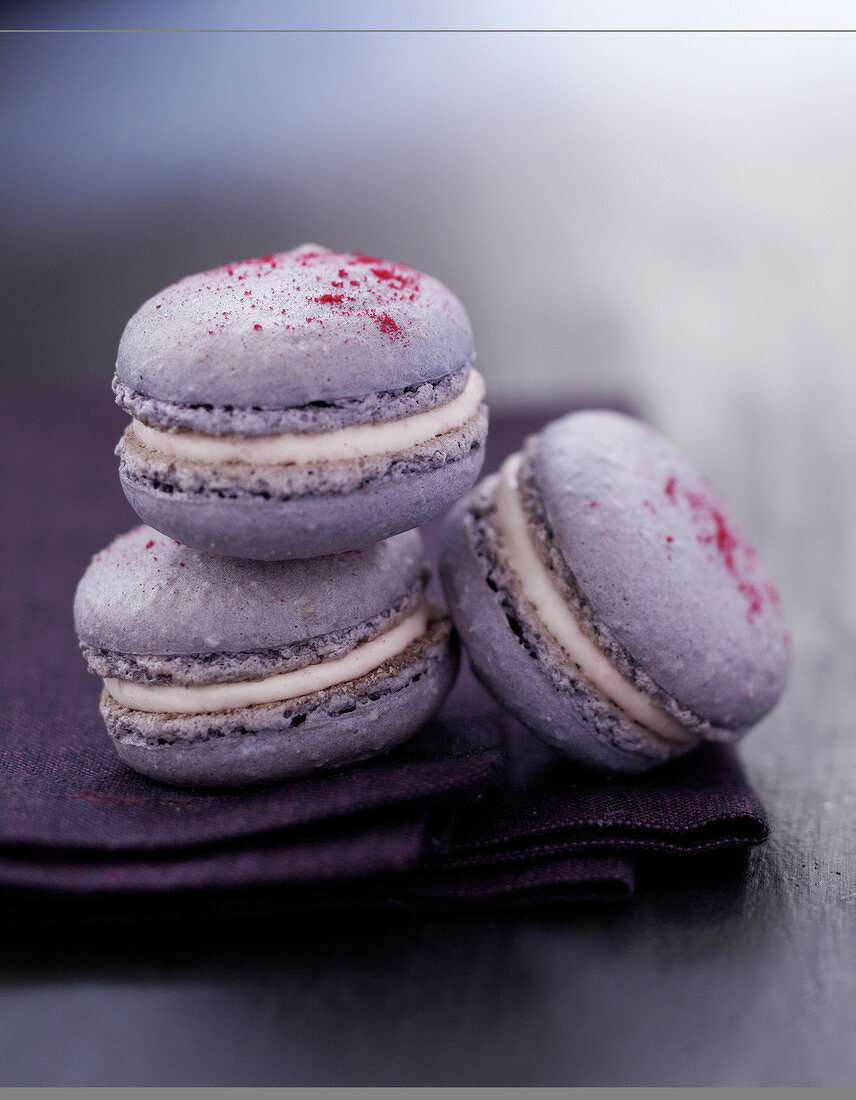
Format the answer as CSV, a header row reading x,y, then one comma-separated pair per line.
x,y
257,327
387,324
753,598
737,554
150,544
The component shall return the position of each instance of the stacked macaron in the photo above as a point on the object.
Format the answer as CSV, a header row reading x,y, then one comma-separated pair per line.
x,y
299,404
294,418
224,671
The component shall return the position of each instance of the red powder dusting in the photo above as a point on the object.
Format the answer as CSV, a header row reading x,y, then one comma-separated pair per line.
x,y
387,324
397,277
306,258
361,259
753,599
592,504
737,554
329,299
725,539
253,261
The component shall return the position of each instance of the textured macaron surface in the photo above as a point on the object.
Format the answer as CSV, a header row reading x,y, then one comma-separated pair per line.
x,y
147,594
662,566
289,329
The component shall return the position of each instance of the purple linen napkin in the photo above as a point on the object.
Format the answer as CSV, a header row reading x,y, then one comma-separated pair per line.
x,y
472,813
698,803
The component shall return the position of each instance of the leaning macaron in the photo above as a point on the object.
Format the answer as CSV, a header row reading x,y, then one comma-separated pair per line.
x,y
607,599
226,672
300,404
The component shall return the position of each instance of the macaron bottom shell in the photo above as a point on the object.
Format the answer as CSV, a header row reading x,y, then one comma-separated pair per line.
x,y
271,742
523,667
267,528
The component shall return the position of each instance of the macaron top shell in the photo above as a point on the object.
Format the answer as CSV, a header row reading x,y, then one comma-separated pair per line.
x,y
661,565
147,594
292,328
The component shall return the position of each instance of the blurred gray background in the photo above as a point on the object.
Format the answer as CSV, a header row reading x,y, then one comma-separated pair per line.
x,y
669,217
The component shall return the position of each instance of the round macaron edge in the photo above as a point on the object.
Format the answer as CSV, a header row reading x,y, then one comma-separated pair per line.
x,y
268,743
227,619
259,526
522,667
345,325
676,590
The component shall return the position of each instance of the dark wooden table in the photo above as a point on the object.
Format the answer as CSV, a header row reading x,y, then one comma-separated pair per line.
x,y
723,975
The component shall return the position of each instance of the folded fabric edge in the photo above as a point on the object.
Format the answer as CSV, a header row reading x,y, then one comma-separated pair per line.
x,y
741,832
388,844
578,880
458,778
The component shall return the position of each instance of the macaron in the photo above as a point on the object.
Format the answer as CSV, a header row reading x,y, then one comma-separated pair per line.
x,y
229,672
609,601
298,404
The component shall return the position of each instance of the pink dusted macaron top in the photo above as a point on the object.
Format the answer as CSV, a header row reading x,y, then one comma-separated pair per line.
x,y
290,328
664,567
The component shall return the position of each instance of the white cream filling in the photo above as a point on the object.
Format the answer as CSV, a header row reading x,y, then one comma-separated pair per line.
x,y
537,587
207,698
360,441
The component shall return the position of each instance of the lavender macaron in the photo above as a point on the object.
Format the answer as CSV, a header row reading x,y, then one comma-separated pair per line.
x,y
299,404
230,672
607,599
